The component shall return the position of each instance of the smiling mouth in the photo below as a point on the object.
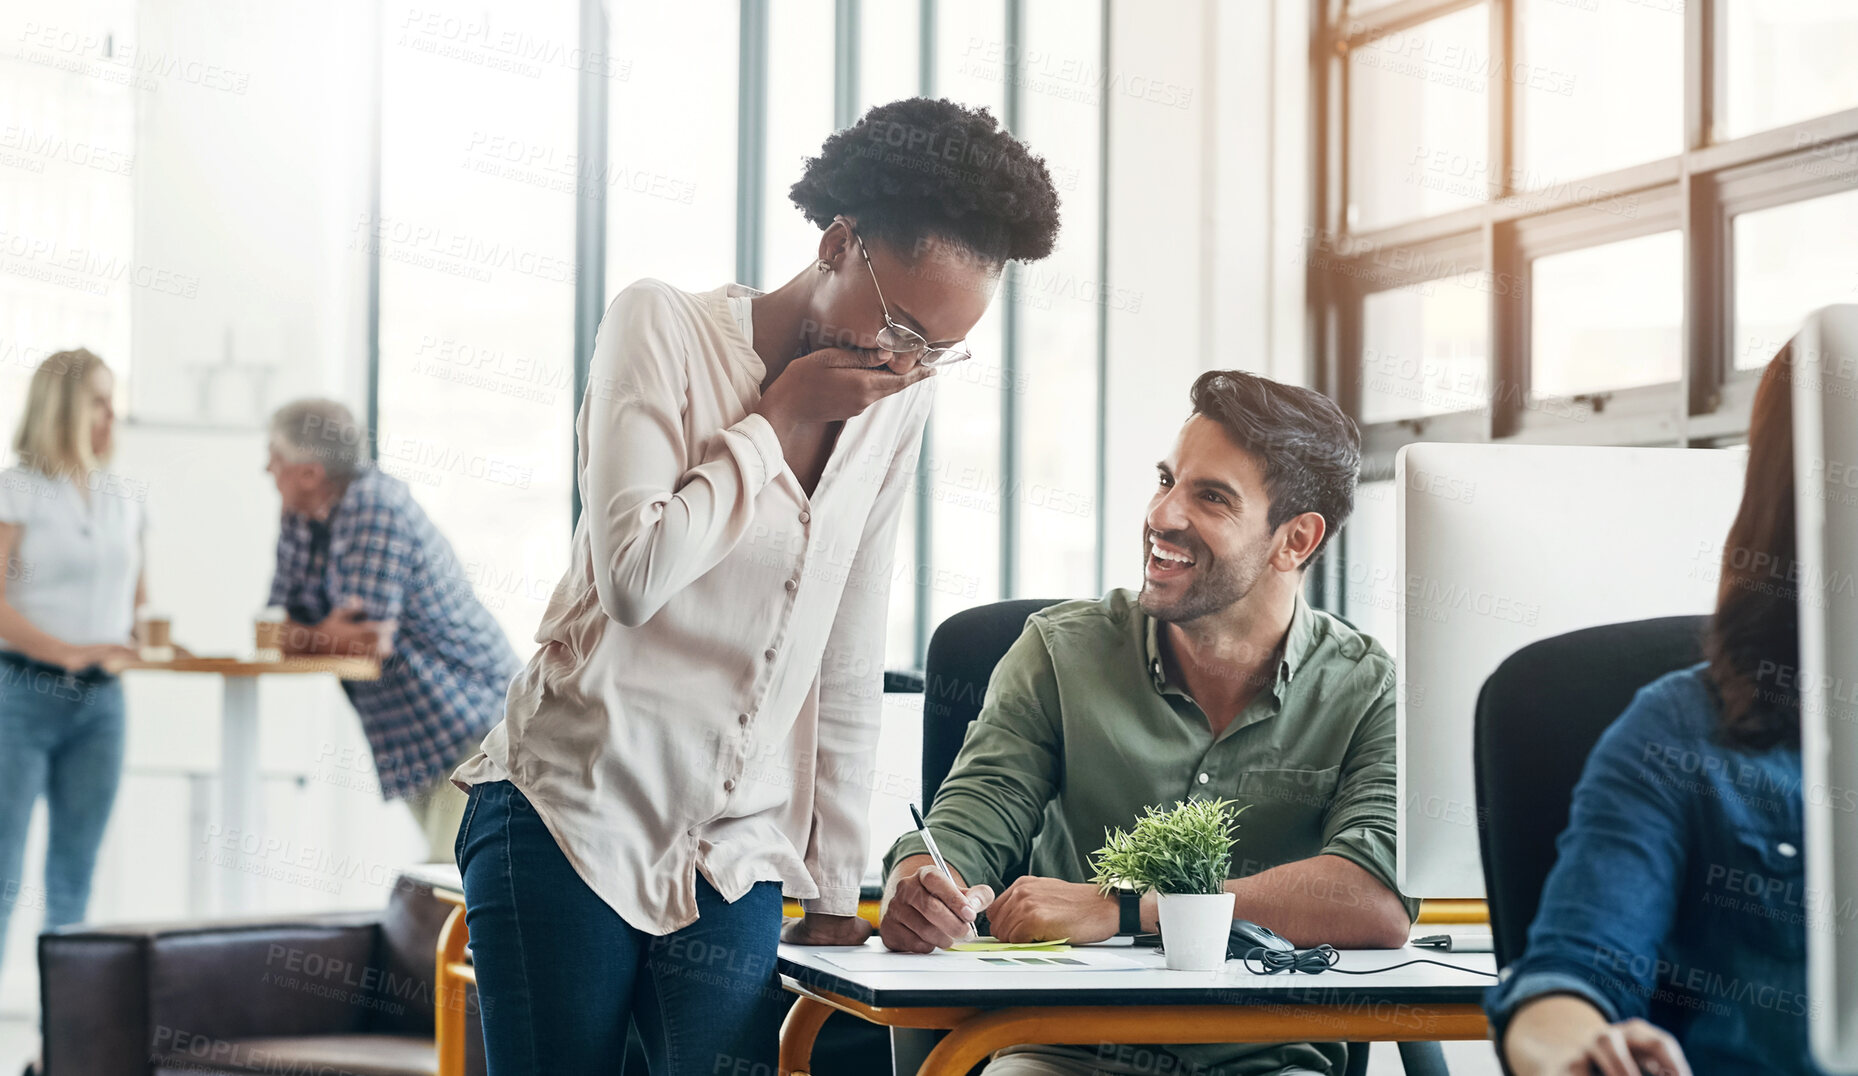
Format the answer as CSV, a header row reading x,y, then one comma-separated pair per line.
x,y
1165,561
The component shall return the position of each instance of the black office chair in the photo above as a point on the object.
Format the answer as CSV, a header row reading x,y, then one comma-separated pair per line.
x,y
1538,717
961,659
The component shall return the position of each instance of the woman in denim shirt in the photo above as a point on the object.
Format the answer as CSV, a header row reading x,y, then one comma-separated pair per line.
x,y
1672,929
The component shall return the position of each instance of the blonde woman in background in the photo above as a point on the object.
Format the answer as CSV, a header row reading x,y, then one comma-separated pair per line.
x,y
71,539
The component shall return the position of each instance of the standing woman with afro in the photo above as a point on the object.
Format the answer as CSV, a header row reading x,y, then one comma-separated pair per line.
x,y
695,735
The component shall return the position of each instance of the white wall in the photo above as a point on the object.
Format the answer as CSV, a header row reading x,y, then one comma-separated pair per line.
x,y
251,180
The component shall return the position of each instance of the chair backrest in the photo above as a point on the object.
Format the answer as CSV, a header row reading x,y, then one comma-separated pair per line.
x,y
1538,717
408,938
961,659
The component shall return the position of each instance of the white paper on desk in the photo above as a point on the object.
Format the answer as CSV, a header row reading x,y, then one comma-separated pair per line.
x,y
942,960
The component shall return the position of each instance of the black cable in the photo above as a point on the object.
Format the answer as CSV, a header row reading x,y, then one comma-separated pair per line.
x,y
1323,958
1309,961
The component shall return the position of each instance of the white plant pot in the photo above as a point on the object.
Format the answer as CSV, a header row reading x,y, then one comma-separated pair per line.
x,y
1194,927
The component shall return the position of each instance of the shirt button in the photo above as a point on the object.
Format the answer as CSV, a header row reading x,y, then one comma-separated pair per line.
x,y
768,653
729,785
792,586
1204,778
742,718
806,517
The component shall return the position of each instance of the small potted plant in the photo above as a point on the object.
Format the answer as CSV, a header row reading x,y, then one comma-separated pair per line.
x,y
1183,855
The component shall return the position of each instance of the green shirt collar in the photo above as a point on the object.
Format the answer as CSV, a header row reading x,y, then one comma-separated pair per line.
x,y
1297,643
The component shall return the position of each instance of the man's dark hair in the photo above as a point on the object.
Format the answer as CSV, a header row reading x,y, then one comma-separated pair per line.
x,y
1311,451
921,168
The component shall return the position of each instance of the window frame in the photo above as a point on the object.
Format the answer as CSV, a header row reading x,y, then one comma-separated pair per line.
x,y
1698,192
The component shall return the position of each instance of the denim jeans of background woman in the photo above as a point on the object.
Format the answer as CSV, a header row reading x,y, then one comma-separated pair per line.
x,y
61,738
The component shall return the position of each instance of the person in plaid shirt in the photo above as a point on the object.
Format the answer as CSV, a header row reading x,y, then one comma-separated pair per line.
x,y
361,570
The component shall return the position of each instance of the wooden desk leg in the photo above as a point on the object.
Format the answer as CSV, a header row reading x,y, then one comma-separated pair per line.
x,y
449,992
974,1040
797,1034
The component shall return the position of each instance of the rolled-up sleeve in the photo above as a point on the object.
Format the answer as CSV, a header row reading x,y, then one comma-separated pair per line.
x,y
989,808
288,566
1360,823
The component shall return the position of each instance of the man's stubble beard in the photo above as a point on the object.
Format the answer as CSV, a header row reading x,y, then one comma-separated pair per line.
x,y
1217,590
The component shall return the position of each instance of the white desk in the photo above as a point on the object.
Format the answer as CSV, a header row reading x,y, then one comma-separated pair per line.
x,y
987,1010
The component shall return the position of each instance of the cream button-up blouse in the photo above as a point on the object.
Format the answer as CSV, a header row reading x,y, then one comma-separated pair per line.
x,y
707,693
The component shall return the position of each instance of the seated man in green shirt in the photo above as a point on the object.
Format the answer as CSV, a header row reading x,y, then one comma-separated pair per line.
x,y
1217,679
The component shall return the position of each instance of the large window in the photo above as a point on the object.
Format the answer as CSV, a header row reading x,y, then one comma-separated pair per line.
x,y
505,229
695,191
669,180
67,160
1055,390
480,172
1588,223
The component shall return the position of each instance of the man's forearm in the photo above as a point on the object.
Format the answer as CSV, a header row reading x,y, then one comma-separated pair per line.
x,y
1322,900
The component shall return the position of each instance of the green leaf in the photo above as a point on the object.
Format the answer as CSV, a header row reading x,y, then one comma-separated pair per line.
x,y
1184,850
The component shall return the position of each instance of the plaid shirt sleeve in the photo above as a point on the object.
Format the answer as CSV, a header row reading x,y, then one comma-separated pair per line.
x,y
291,561
377,564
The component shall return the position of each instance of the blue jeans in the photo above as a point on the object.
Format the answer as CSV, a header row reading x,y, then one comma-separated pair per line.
x,y
559,972
61,737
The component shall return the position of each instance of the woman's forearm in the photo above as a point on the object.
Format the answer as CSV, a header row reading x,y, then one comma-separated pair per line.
x,y
26,638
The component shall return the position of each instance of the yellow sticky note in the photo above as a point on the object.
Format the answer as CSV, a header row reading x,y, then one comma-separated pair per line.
x,y
990,945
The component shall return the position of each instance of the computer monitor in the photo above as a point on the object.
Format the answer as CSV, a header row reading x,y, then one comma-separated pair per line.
x,y
1502,545
1825,417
